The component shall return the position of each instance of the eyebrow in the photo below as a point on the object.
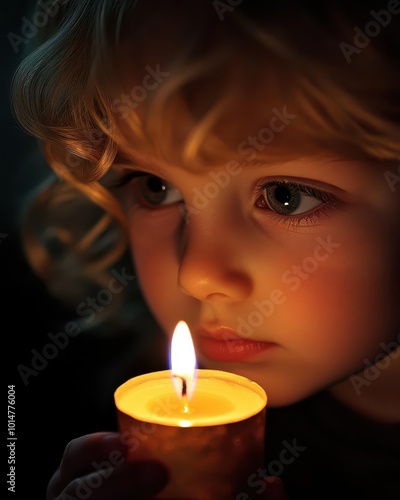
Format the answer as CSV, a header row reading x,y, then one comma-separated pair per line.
x,y
132,159
134,163
138,164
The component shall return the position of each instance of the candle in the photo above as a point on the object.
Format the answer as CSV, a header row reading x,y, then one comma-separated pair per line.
x,y
206,426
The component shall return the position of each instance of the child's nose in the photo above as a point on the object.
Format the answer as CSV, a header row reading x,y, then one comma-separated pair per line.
x,y
211,263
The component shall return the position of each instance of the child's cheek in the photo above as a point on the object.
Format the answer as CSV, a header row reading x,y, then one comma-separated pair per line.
x,y
155,259
347,303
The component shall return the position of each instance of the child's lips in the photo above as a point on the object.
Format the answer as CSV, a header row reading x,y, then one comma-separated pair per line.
x,y
224,344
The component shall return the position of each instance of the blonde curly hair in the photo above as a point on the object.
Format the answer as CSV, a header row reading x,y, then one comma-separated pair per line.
x,y
218,63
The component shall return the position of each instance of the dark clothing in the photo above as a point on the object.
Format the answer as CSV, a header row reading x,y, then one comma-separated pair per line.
x,y
332,452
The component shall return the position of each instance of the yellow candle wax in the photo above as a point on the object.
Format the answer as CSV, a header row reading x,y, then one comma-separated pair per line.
x,y
219,398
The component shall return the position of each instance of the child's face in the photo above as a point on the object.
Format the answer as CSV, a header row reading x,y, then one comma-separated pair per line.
x,y
286,272
293,287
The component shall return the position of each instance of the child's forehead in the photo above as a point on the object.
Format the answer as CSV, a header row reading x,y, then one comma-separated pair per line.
x,y
219,103
197,90
204,125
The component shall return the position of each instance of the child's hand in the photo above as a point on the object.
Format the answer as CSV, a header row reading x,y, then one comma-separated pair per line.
x,y
94,466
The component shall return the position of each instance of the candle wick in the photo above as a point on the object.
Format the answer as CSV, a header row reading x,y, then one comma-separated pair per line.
x,y
185,401
184,396
184,388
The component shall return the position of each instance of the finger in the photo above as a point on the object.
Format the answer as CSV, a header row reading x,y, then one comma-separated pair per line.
x,y
82,453
135,480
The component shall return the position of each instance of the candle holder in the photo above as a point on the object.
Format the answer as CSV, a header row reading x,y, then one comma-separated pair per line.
x,y
210,448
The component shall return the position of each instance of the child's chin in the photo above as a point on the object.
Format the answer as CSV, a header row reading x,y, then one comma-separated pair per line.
x,y
278,398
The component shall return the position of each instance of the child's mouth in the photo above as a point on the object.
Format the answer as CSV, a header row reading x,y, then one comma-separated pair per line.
x,y
226,345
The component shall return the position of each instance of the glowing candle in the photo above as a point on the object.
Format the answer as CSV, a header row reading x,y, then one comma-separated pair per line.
x,y
183,363
206,426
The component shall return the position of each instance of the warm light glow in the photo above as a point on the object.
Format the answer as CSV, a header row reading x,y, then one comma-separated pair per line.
x,y
183,360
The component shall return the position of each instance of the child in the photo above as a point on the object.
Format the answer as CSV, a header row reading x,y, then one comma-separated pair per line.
x,y
248,152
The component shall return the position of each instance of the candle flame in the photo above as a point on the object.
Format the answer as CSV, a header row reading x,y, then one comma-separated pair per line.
x,y
183,363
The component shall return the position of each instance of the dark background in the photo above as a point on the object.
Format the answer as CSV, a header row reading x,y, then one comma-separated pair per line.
x,y
73,394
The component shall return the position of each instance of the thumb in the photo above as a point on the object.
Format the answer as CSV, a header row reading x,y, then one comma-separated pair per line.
x,y
275,489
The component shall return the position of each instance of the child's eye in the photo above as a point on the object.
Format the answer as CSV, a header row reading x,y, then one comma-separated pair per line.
x,y
153,191
290,198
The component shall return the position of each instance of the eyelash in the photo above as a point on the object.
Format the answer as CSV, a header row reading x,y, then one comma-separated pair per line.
x,y
138,200
313,217
126,178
